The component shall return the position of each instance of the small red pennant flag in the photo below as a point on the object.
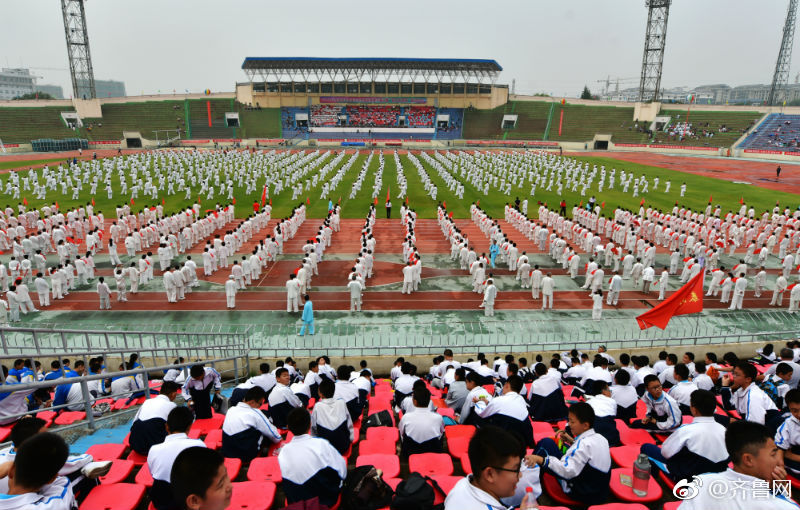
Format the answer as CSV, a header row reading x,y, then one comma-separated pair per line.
x,y
376,201
642,202
270,202
264,197
387,193
406,199
92,201
233,201
308,200
710,198
581,204
340,200
741,201
24,200
163,202
444,204
478,203
603,205
56,204
132,202
451,215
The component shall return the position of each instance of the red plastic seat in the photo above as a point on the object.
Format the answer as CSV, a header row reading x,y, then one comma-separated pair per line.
x,y
117,496
446,483
70,417
629,436
389,464
371,446
252,496
194,434
429,464
465,465
137,458
438,402
204,425
457,446
120,471
264,469
108,451
625,493
385,433
553,508
459,431
446,411
625,456
4,433
552,487
214,439
233,466
667,480
541,430
619,506
672,505
143,477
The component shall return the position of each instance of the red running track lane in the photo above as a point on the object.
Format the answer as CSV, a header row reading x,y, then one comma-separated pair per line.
x,y
760,173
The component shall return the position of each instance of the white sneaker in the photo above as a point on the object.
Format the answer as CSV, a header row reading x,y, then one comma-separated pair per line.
x,y
96,469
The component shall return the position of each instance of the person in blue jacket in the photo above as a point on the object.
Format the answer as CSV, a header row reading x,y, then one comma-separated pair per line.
x,y
308,316
494,249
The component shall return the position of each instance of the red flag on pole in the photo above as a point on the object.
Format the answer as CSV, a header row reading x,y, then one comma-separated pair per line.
x,y
387,193
603,205
132,202
581,204
376,201
270,202
264,197
478,203
406,199
56,204
162,202
25,201
444,204
710,198
340,200
198,200
688,299
232,201
741,201
308,200
642,202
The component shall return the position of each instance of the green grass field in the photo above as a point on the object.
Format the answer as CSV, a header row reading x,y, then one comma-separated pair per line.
x,y
24,164
725,193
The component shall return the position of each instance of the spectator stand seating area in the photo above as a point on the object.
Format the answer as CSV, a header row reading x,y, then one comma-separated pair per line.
x,y
21,125
778,132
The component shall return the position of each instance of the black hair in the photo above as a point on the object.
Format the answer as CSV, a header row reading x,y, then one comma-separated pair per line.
x,y
279,372
515,383
197,371
745,437
492,446
783,368
255,394
180,419
791,397
168,387
25,428
704,401
39,459
193,472
682,371
748,369
326,388
422,396
343,372
622,377
650,378
298,421
583,412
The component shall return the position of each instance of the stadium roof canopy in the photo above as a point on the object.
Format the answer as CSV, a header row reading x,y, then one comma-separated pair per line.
x,y
309,69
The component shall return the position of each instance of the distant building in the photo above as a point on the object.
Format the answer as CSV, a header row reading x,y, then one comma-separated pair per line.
x,y
54,90
15,82
109,88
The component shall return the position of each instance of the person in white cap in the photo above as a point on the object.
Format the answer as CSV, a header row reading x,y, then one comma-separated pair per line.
x,y
230,291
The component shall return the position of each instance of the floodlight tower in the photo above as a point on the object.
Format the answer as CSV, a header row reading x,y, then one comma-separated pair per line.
x,y
777,93
654,41
80,59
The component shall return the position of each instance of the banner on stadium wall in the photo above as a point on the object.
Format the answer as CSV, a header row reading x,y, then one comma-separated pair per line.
x,y
104,142
11,145
679,147
270,140
373,140
516,143
763,151
226,140
193,142
373,100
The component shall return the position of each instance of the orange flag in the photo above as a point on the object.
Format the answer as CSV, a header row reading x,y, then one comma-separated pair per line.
x,y
387,193
132,202
444,204
162,202
92,201
308,200
24,200
642,202
376,201
741,201
688,299
264,197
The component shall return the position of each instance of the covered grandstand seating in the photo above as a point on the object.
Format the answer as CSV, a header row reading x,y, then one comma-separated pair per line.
x,y
372,116
778,131
325,115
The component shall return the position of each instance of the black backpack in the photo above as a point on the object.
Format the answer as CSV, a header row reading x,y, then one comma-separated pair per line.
x,y
379,419
417,492
364,489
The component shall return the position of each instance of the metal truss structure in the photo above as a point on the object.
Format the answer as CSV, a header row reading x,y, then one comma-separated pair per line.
x,y
80,59
777,92
654,41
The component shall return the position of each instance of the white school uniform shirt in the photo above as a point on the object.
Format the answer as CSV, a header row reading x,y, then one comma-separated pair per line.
x,y
282,393
733,500
162,456
157,407
55,496
209,376
752,403
603,405
703,436
421,425
665,405
589,448
304,456
511,404
466,496
788,434
330,413
682,392
242,417
624,396
703,382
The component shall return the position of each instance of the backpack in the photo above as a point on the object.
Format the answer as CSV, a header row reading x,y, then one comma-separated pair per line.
x,y
364,489
771,389
417,492
379,419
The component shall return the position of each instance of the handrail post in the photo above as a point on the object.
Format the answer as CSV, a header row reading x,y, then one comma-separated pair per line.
x,y
87,405
146,381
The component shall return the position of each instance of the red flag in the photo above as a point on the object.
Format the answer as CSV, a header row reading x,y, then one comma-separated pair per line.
x,y
603,205
581,204
340,201
444,204
642,202
198,200
688,299
232,201
478,203
162,202
308,200
153,208
270,202
56,204
741,201
376,201
25,201
264,197
451,215
92,201
406,199
132,202
256,206
710,198
387,193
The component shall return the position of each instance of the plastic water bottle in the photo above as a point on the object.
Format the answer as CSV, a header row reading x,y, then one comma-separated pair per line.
x,y
531,501
641,475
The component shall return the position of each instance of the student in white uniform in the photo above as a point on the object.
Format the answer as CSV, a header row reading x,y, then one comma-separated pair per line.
x,y
787,439
510,411
605,412
200,480
33,480
162,456
624,395
584,471
747,398
495,456
546,398
198,387
477,398
148,424
756,462
265,380
310,466
694,448
245,427
348,392
663,413
421,429
331,420
282,399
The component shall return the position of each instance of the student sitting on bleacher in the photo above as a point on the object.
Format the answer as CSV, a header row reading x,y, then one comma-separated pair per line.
x,y
162,456
702,380
605,412
347,391
312,379
575,372
477,396
71,393
330,419
510,411
756,465
310,466
663,413
666,376
547,398
407,405
457,390
598,372
245,426
683,388
265,380
200,480
404,385
495,457
281,399
624,395
585,469
787,439
148,424
301,391
421,429
33,480
364,384
747,398
642,366
17,402
512,369
694,448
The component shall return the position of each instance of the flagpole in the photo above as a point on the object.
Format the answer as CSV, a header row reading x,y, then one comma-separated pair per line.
x,y
697,319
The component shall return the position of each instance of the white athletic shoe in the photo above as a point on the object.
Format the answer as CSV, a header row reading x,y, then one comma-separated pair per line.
x,y
96,469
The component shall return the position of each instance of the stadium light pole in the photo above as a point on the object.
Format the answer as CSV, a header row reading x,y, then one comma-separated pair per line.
x,y
654,42
80,59
777,92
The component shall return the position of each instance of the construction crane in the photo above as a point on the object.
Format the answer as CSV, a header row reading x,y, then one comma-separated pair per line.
x,y
609,80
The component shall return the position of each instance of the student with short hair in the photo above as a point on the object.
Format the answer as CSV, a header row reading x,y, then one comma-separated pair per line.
x,y
310,466
198,387
245,426
584,471
477,398
693,448
787,439
330,419
421,429
663,412
33,479
148,425
624,395
756,461
282,399
265,380
348,392
161,457
510,411
740,391
683,388
547,398
200,480
605,412
457,390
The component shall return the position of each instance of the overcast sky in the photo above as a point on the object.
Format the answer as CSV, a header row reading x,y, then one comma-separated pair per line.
x,y
552,46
